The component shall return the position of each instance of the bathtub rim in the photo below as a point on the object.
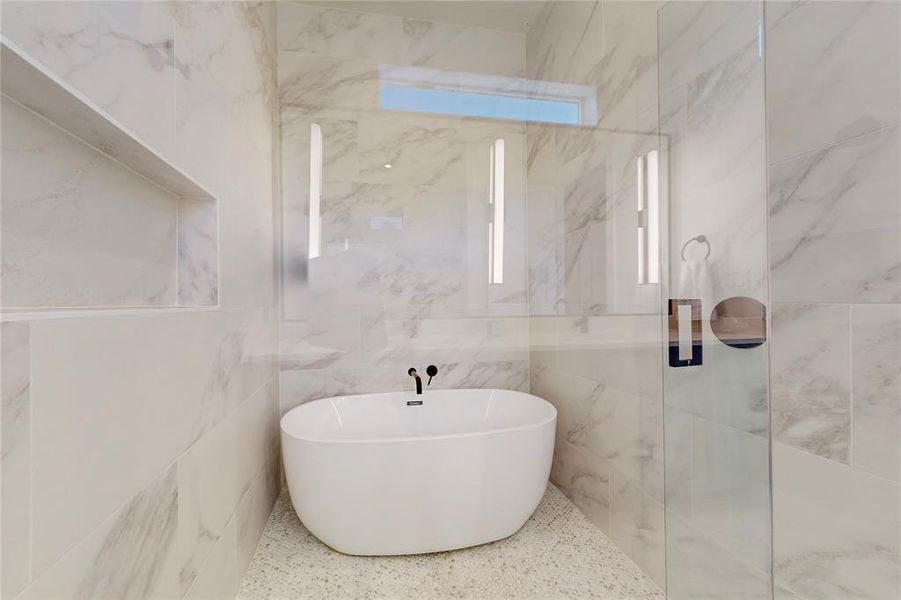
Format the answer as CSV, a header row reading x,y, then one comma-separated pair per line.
x,y
419,438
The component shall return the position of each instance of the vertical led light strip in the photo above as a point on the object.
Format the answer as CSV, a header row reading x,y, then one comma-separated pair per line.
x,y
496,225
315,190
653,217
641,168
648,218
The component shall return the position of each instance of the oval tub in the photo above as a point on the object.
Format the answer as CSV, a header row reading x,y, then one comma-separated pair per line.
x,y
369,475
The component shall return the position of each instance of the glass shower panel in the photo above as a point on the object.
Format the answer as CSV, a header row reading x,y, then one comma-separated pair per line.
x,y
715,398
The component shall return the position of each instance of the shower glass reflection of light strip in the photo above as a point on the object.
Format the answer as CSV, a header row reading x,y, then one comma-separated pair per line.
x,y
496,224
648,219
315,190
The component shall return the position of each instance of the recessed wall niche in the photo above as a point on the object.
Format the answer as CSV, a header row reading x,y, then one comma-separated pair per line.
x,y
94,218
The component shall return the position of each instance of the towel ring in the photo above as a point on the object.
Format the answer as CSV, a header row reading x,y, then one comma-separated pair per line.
x,y
701,239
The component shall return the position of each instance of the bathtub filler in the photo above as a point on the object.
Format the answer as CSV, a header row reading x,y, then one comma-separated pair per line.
x,y
368,476
431,371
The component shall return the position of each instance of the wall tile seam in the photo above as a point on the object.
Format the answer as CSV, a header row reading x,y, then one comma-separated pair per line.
x,y
851,355
862,472
121,507
274,379
401,19
375,64
831,145
851,385
233,521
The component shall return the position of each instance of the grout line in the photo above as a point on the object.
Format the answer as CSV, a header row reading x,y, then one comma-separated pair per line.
x,y
117,511
836,144
178,297
233,519
851,385
30,466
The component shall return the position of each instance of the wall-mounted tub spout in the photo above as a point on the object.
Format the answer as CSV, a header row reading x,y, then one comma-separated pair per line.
x,y
412,373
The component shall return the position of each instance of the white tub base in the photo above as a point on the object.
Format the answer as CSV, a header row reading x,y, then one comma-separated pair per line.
x,y
369,475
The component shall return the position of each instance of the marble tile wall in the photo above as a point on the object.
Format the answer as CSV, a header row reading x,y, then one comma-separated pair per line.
x,y
402,279
594,332
716,417
58,247
834,117
140,453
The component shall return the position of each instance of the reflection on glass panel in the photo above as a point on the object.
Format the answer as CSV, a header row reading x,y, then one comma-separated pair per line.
x,y
475,104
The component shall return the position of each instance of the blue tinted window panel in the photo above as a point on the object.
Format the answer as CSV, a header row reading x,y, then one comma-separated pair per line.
x,y
475,104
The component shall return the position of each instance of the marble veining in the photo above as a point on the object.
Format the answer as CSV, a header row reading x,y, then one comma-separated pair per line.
x,y
298,387
126,556
15,453
838,209
836,529
833,72
402,276
581,188
84,43
557,553
58,247
198,253
346,34
129,560
876,371
810,379
109,511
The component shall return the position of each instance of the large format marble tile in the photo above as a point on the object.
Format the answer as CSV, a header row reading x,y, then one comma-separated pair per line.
x,y
698,568
585,480
714,127
15,456
208,492
694,37
350,34
876,372
836,211
79,229
402,340
833,72
810,378
320,337
254,510
139,421
453,47
127,556
420,152
637,526
545,249
340,155
189,371
729,487
627,432
202,34
298,387
304,27
311,81
626,77
198,253
120,55
836,530
730,389
218,578
573,396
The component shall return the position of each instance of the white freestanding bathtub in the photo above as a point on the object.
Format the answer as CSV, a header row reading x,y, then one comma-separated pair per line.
x,y
371,475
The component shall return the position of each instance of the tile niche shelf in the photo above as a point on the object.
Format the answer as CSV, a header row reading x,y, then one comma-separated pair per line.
x,y
93,219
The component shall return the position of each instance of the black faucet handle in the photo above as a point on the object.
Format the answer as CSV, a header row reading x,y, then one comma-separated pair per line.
x,y
431,371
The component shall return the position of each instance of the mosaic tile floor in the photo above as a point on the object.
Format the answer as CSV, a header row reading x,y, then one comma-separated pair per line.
x,y
557,554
